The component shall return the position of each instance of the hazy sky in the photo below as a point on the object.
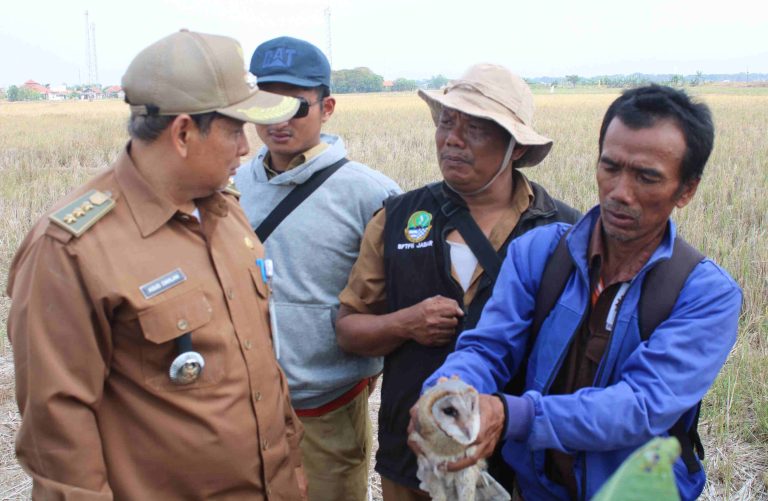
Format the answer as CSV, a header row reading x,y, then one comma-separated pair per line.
x,y
45,40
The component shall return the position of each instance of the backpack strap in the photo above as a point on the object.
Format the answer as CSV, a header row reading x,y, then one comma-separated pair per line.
x,y
661,288
558,269
462,220
556,273
294,199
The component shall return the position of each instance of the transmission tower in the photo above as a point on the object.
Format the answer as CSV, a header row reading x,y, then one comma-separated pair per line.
x,y
92,69
327,13
87,50
94,59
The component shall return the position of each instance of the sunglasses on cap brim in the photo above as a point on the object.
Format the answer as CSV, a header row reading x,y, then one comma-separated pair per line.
x,y
304,106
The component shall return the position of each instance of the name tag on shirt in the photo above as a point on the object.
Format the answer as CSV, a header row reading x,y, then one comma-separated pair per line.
x,y
162,284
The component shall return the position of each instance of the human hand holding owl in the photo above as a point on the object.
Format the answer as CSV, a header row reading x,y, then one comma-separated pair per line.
x,y
452,429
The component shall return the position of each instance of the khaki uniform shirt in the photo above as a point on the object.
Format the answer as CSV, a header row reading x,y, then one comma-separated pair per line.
x,y
366,289
100,417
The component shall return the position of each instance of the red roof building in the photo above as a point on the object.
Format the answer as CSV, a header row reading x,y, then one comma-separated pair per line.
x,y
32,85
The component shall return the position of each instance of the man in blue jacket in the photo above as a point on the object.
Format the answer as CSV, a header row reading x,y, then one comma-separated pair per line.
x,y
595,390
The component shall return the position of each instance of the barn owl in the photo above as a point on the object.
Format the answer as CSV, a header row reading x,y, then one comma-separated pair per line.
x,y
449,421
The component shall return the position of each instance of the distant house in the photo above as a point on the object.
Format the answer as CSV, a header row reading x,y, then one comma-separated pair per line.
x,y
36,87
388,85
92,92
114,91
57,92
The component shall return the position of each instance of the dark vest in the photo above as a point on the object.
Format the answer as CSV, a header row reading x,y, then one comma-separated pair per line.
x,y
417,266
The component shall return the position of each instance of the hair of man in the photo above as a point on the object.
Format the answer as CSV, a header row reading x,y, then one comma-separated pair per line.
x,y
323,91
644,106
149,127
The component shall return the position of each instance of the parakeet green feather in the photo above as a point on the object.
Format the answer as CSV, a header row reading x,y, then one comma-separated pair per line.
x,y
646,474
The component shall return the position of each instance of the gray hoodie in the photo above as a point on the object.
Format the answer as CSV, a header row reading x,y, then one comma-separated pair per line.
x,y
313,251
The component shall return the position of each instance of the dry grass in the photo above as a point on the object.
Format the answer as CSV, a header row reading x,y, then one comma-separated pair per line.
x,y
48,148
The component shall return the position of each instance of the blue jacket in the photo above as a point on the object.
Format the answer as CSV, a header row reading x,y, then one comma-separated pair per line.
x,y
640,389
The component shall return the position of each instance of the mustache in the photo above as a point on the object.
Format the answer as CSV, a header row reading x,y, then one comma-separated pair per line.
x,y
621,209
455,157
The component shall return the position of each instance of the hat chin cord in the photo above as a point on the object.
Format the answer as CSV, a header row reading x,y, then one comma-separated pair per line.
x,y
504,164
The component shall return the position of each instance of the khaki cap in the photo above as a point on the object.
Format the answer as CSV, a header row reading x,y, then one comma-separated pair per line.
x,y
193,73
491,91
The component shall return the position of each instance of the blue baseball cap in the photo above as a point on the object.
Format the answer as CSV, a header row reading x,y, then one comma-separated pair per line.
x,y
292,61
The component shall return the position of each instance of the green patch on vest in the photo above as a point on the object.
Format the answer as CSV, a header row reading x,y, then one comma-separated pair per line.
x,y
419,225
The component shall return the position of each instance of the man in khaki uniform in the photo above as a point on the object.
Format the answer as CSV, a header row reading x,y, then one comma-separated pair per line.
x,y
139,323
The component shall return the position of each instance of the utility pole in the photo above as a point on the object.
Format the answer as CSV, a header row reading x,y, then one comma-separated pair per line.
x,y
328,49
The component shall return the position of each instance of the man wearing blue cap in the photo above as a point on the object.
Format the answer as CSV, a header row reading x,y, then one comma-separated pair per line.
x,y
314,246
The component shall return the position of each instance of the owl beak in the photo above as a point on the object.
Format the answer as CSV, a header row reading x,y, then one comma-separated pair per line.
x,y
467,434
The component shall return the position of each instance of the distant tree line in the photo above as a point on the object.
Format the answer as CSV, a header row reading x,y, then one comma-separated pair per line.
x,y
356,80
15,93
365,80
637,79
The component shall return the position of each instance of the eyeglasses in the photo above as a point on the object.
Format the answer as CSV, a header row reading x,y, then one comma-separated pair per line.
x,y
304,107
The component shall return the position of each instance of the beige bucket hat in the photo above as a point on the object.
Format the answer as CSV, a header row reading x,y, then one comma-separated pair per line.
x,y
493,92
192,73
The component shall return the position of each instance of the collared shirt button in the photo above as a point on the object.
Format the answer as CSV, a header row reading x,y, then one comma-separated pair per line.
x,y
230,293
257,396
182,324
248,344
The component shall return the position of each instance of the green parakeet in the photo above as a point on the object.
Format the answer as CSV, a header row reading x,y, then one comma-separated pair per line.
x,y
646,474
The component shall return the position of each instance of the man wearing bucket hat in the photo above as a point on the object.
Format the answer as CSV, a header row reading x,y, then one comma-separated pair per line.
x,y
313,247
429,259
139,322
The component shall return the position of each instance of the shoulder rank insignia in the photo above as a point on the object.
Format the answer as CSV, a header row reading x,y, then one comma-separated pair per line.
x,y
82,213
231,188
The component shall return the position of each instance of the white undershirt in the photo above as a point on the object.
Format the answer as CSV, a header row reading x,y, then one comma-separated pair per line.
x,y
463,262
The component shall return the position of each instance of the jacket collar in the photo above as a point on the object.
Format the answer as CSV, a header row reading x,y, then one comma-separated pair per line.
x,y
580,236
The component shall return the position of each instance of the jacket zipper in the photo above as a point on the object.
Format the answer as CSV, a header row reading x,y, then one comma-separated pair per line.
x,y
554,374
598,375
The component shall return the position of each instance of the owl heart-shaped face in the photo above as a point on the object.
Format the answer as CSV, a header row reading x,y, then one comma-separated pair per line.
x,y
457,415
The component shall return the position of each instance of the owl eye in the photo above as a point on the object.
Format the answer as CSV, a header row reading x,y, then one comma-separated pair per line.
x,y
451,411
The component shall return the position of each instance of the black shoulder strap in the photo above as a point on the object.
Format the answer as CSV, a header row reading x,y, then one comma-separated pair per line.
x,y
460,218
294,199
556,273
662,286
